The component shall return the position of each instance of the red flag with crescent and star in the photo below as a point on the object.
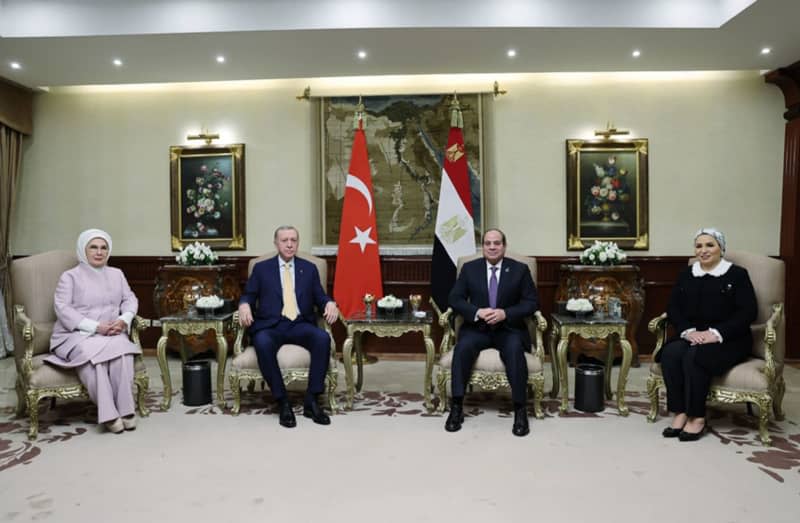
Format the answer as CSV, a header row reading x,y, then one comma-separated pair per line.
x,y
358,269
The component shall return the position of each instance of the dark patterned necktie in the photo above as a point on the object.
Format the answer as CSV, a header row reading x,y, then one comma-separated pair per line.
x,y
493,289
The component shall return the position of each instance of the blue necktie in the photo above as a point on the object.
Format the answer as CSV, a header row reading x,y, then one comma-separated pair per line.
x,y
493,289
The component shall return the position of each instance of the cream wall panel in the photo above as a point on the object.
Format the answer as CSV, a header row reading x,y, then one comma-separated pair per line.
x,y
100,157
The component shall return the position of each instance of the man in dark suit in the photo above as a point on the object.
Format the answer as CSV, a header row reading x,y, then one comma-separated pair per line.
x,y
283,291
494,295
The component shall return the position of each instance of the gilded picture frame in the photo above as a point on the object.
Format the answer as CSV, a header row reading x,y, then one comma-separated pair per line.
x,y
607,193
406,141
207,196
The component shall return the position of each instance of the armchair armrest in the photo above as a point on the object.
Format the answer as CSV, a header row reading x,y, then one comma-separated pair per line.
x,y
770,337
25,327
238,332
448,333
538,324
658,326
137,326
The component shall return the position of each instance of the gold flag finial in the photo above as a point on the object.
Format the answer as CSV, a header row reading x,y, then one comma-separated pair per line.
x,y
456,119
359,121
306,94
496,91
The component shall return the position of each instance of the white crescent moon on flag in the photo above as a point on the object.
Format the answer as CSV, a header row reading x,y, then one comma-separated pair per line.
x,y
358,185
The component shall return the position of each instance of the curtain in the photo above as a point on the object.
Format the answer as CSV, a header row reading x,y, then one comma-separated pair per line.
x,y
10,161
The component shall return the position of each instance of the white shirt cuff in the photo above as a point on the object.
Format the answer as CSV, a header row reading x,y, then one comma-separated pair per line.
x,y
88,326
127,317
686,332
717,334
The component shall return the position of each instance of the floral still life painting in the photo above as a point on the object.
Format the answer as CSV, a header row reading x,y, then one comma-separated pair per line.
x,y
208,196
607,198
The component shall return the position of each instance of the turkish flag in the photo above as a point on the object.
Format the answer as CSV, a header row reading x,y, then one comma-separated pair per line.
x,y
358,269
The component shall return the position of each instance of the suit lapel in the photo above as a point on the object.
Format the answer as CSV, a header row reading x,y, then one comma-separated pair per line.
x,y
506,272
299,279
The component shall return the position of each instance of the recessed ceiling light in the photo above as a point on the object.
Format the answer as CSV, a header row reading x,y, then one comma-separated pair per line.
x,y
636,53
117,62
220,59
15,65
766,50
362,54
511,53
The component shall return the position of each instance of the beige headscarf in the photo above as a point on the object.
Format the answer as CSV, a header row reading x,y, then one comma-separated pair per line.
x,y
87,236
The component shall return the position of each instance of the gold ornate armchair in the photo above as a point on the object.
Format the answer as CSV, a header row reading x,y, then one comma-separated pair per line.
x,y
34,281
489,372
759,379
293,360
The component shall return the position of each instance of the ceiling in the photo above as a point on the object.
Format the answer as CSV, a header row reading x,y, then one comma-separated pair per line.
x,y
73,42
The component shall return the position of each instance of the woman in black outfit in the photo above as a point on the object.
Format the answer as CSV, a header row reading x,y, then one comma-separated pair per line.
x,y
711,308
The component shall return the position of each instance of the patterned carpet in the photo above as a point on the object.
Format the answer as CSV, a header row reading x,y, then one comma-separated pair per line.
x,y
389,460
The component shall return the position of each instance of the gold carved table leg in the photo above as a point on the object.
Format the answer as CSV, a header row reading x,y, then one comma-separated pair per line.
x,y
554,361
429,354
609,365
359,361
222,355
563,345
627,356
347,360
161,353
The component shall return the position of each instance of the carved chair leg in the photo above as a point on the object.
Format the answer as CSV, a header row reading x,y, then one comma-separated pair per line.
x,y
441,383
33,413
764,406
538,394
233,377
652,393
777,400
22,406
331,380
142,386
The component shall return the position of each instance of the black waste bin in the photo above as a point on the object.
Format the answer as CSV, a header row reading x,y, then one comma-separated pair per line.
x,y
196,383
589,380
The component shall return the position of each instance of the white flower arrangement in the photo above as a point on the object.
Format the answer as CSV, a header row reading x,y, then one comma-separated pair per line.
x,y
209,302
579,305
390,302
603,253
196,254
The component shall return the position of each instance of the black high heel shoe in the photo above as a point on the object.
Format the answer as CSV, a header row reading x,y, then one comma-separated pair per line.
x,y
671,432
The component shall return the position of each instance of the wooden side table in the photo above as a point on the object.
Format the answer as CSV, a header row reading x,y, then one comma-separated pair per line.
x,y
185,325
563,327
390,326
598,283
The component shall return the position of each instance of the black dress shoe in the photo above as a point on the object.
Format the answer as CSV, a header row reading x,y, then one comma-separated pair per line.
x,y
455,418
521,427
691,436
286,415
314,411
670,432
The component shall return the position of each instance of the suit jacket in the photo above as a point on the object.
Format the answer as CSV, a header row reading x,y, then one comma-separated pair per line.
x,y
264,292
516,294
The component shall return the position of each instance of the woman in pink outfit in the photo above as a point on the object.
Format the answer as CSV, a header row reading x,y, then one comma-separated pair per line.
x,y
95,306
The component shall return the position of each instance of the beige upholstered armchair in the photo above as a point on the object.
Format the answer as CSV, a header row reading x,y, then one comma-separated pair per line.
x,y
293,360
34,280
759,379
489,372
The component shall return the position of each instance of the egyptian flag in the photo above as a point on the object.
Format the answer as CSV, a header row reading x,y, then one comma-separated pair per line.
x,y
455,228
358,269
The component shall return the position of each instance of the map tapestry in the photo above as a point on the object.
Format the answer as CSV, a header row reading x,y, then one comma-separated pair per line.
x,y
406,137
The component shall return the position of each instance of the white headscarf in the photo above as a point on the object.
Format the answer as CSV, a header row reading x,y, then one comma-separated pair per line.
x,y
710,231
87,236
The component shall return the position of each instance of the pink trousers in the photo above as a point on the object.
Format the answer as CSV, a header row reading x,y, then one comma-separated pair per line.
x,y
110,385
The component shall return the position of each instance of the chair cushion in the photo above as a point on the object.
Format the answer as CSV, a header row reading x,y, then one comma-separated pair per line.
x,y
48,375
489,361
748,375
289,357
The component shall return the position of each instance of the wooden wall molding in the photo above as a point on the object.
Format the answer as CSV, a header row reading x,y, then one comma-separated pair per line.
x,y
787,79
404,275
